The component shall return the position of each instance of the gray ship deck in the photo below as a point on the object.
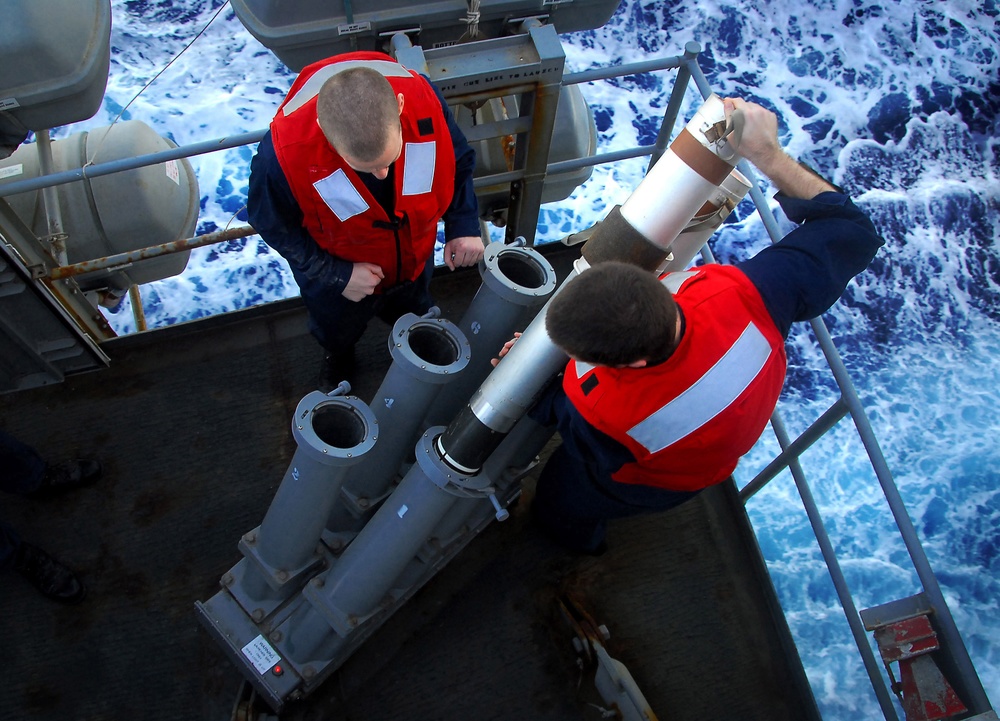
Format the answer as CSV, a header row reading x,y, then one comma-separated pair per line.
x,y
192,423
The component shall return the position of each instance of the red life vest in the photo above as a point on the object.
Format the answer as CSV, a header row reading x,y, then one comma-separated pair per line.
x,y
688,420
339,212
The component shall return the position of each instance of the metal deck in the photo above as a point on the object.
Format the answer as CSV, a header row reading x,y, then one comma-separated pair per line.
x,y
192,423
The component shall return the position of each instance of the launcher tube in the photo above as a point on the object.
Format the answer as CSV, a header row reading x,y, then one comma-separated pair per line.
x,y
427,353
516,282
332,433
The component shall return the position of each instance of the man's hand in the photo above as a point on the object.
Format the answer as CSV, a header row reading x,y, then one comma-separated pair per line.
x,y
760,146
506,349
364,278
759,143
464,251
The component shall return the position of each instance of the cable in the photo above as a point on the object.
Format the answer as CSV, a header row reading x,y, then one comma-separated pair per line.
x,y
90,161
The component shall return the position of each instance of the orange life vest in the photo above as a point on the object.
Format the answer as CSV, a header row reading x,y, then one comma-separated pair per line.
x,y
339,212
688,420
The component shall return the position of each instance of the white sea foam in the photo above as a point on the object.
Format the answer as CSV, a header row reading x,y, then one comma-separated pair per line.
x,y
896,102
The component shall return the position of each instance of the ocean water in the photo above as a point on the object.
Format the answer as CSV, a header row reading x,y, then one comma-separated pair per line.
x,y
895,101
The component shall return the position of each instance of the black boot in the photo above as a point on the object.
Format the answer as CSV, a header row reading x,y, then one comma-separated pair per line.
x,y
337,366
67,476
53,580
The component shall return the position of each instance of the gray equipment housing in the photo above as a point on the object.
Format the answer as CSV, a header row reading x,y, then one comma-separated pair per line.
x,y
54,62
40,338
303,32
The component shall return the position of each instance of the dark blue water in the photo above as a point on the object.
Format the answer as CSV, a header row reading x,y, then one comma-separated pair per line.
x,y
897,102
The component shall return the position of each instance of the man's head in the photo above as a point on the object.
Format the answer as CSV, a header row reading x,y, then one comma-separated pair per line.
x,y
614,314
358,113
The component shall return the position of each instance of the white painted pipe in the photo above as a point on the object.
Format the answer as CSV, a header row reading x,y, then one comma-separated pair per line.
x,y
684,178
705,222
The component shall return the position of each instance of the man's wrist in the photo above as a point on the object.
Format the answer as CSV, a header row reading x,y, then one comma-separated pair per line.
x,y
810,169
795,179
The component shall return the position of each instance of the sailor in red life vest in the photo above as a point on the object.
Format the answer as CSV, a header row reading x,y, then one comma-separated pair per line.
x,y
671,381
362,160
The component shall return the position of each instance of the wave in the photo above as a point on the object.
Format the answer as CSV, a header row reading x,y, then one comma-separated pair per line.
x,y
897,103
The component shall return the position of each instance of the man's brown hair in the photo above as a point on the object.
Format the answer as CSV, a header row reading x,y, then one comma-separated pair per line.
x,y
358,113
612,315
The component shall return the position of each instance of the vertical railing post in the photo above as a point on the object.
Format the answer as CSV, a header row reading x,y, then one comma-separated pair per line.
x,y
666,131
970,684
837,576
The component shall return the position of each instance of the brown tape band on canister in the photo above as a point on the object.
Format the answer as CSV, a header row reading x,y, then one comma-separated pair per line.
x,y
615,238
700,159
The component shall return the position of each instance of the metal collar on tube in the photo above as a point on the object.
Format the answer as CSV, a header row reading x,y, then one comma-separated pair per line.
x,y
334,429
429,348
517,275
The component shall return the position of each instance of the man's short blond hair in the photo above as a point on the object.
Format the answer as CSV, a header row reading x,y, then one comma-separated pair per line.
x,y
358,113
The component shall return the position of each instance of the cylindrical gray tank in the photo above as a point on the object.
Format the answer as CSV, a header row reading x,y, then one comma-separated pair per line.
x,y
54,60
113,213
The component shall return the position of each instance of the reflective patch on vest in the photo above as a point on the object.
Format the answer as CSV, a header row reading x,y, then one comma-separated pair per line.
x,y
418,174
340,195
425,126
674,281
711,394
310,88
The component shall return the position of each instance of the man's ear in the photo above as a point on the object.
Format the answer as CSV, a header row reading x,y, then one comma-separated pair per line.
x,y
325,135
399,99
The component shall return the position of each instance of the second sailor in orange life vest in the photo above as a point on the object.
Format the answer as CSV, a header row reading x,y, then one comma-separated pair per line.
x,y
671,382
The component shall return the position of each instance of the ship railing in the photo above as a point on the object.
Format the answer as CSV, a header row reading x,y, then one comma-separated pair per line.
x,y
45,182
955,652
688,69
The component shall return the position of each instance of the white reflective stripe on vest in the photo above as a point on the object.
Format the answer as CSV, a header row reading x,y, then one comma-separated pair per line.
x,y
418,173
340,195
674,281
310,88
711,394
